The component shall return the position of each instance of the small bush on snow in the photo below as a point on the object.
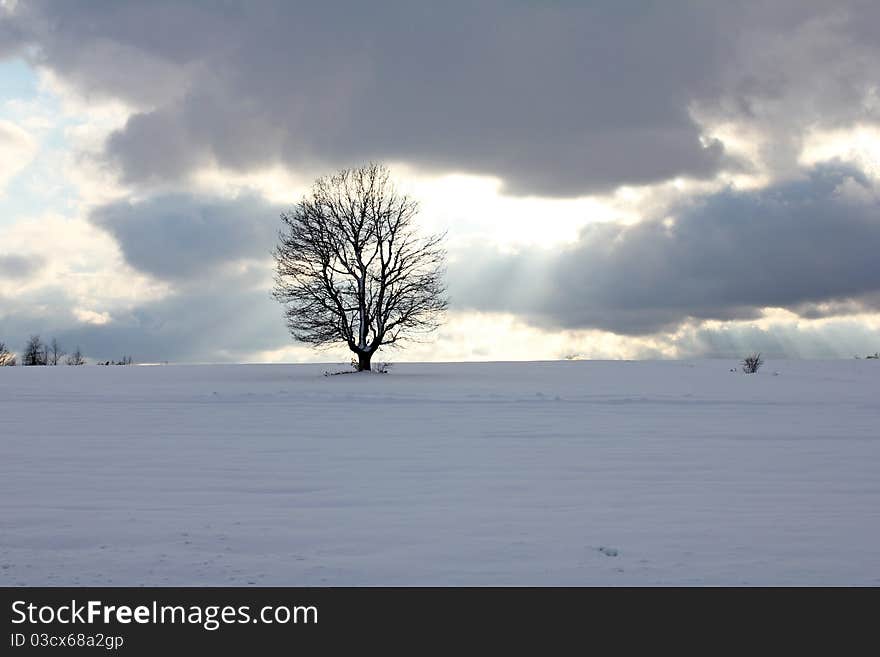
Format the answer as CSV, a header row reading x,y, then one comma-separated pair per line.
x,y
752,363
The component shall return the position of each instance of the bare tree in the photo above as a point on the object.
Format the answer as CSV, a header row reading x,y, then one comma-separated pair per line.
x,y
351,267
34,352
54,353
7,358
76,358
752,363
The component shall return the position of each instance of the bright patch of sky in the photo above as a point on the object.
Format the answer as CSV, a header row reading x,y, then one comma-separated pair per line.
x,y
36,114
17,80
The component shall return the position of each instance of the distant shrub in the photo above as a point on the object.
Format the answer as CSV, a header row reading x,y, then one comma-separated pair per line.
x,y
874,356
54,353
752,363
126,360
7,358
35,353
383,368
76,358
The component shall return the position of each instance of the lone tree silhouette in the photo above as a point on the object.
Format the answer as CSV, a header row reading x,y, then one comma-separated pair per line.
x,y
351,266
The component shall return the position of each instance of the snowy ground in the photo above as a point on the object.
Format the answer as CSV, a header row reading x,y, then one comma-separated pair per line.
x,y
509,473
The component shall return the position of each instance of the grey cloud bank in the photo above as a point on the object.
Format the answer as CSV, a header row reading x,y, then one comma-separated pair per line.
x,y
179,236
14,266
726,256
556,99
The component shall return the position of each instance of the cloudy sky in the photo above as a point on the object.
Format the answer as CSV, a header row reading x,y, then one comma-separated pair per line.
x,y
618,179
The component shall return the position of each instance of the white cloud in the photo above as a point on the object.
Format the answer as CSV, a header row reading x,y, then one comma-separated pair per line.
x,y
80,261
858,144
17,149
91,317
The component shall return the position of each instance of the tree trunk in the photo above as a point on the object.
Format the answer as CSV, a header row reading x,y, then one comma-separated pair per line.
x,y
364,361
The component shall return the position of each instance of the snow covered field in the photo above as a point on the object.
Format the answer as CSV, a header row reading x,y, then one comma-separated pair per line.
x,y
506,473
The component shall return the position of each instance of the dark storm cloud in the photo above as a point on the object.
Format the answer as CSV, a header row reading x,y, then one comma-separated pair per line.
x,y
555,98
798,246
808,67
10,41
20,266
11,37
179,236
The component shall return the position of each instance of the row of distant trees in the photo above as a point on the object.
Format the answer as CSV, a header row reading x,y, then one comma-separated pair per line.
x,y
37,352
